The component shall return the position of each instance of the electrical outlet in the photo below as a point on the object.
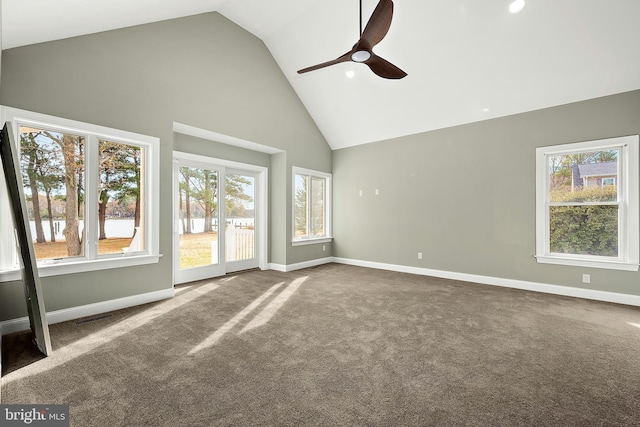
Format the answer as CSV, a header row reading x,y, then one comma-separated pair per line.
x,y
586,278
419,255
324,248
360,193
377,192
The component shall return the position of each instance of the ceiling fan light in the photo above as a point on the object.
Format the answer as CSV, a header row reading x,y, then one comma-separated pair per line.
x,y
516,6
360,56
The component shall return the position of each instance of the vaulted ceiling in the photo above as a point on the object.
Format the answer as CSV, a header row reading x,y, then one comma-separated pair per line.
x,y
467,60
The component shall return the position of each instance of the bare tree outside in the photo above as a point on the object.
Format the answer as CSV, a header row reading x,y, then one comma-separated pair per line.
x,y
54,163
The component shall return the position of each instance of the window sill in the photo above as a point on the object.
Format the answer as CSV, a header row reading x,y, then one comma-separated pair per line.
x,y
311,241
83,266
610,265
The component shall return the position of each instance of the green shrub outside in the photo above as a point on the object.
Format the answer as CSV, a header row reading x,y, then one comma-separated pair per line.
x,y
584,229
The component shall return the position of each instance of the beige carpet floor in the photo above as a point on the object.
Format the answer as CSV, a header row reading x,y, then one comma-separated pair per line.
x,y
340,345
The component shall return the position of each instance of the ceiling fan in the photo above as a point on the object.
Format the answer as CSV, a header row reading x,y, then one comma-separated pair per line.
x,y
362,52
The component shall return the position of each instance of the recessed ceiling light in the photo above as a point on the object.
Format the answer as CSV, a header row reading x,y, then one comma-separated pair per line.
x,y
516,6
350,73
485,110
360,56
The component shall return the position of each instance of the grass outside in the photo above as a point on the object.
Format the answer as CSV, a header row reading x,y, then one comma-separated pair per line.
x,y
195,249
58,249
49,250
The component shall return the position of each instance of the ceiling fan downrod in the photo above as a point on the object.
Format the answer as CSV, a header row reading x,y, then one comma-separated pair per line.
x,y
360,35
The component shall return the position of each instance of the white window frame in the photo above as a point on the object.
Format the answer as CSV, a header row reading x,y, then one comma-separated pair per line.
x,y
91,260
628,209
327,207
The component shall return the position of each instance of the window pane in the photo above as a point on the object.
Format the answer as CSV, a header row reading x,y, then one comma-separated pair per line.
x,y
584,230
583,176
52,165
120,208
317,207
301,206
198,246
240,208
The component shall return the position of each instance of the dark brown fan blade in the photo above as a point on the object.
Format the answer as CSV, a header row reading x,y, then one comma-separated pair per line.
x,y
344,58
378,25
384,68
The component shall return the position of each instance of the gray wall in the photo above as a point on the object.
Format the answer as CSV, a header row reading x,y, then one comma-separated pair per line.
x,y
203,71
465,196
217,150
0,41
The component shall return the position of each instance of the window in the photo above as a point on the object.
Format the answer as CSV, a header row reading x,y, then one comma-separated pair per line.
x,y
587,204
311,206
91,195
121,213
52,164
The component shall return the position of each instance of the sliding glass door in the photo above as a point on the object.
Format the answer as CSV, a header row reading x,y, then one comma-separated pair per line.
x,y
217,214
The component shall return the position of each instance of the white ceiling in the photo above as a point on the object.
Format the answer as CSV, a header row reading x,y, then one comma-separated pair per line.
x,y
467,60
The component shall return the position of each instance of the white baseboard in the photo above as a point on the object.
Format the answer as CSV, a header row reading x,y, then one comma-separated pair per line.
x,y
22,323
277,267
299,266
497,281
